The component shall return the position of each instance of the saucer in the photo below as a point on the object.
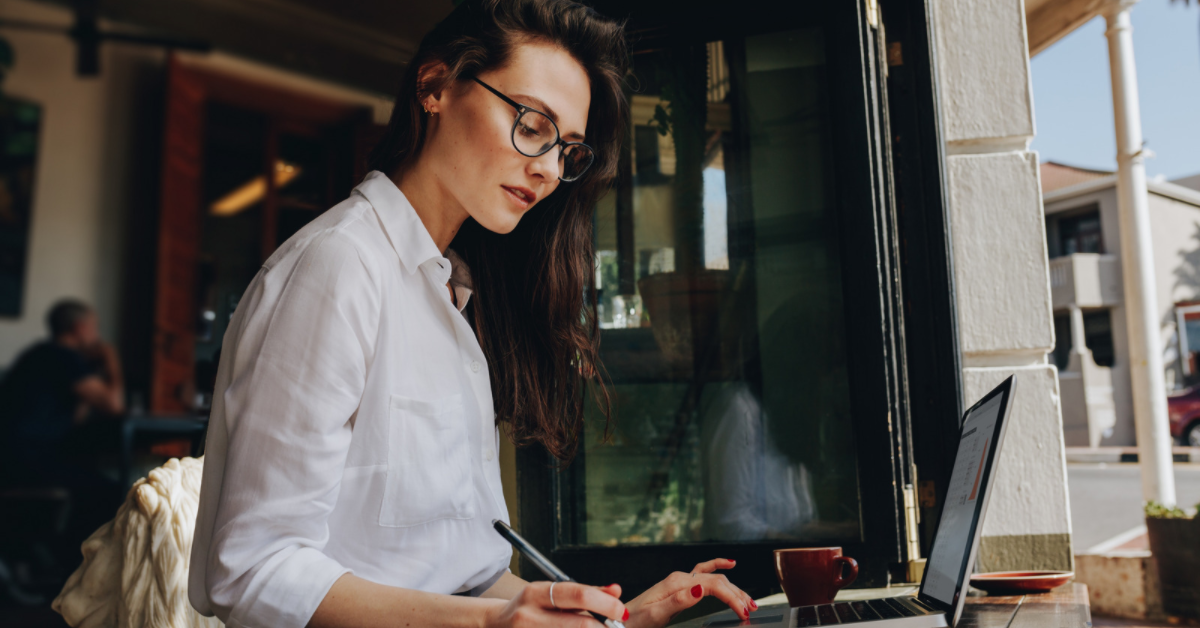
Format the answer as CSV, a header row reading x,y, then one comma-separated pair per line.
x,y
1020,581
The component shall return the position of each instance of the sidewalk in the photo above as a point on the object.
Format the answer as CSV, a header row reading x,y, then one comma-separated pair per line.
x,y
1125,454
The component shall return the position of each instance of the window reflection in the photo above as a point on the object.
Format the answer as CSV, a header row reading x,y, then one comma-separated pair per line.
x,y
754,491
720,302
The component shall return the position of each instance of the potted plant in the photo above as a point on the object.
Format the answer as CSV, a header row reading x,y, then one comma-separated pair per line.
x,y
1175,543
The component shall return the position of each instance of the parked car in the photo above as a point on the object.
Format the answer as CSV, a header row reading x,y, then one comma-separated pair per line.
x,y
1183,407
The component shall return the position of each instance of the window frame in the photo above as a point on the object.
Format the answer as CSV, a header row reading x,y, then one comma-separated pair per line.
x,y
1054,241
877,311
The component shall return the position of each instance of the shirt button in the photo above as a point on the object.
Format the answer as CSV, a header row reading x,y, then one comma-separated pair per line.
x,y
475,368
487,454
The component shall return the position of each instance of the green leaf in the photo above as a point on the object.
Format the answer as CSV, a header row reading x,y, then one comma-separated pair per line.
x,y
1155,510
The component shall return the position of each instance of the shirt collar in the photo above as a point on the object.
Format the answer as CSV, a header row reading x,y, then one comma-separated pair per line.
x,y
401,224
410,238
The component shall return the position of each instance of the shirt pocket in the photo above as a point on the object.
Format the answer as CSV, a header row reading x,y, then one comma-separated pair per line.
x,y
429,464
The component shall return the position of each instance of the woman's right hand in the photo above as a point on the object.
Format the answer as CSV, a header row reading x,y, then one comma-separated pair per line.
x,y
532,607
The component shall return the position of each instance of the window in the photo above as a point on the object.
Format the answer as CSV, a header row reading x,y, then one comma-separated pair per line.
x,y
1097,333
1187,320
750,311
1080,234
728,359
250,164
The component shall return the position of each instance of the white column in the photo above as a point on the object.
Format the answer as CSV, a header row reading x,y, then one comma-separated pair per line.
x,y
1078,339
1079,355
1141,298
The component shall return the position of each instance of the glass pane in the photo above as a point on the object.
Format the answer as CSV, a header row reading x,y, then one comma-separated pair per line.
x,y
721,309
1097,333
231,248
1081,234
302,183
1192,325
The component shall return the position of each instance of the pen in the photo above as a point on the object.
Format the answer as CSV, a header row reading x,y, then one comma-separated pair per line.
x,y
543,563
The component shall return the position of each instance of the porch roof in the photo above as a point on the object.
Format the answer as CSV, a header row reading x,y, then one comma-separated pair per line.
x,y
1047,21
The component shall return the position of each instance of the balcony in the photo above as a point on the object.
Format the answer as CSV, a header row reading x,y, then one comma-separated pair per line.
x,y
1085,280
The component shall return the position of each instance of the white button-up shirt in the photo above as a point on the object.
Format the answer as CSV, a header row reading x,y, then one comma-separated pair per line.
x,y
352,427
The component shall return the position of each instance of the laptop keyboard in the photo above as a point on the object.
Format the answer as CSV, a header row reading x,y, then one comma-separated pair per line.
x,y
851,612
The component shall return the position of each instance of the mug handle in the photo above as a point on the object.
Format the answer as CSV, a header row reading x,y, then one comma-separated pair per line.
x,y
842,562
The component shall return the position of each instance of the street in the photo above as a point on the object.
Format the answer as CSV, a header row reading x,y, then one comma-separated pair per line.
x,y
1106,499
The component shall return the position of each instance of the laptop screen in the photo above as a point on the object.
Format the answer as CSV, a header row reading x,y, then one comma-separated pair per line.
x,y
945,571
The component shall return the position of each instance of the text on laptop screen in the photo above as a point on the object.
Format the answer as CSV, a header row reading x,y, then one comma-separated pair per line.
x,y
945,566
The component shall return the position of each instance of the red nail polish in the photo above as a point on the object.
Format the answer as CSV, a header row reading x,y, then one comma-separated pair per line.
x,y
746,612
753,605
697,591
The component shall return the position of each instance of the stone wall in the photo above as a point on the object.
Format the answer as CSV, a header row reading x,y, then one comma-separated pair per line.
x,y
1121,584
1002,273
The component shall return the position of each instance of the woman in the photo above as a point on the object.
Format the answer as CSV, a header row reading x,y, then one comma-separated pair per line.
x,y
351,474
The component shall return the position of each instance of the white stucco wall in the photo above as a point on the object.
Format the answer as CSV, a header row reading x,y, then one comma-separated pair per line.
x,y
77,233
1002,273
1175,231
983,68
1031,479
84,182
1000,263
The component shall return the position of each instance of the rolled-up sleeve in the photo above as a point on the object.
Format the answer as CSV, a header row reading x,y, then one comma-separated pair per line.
x,y
291,378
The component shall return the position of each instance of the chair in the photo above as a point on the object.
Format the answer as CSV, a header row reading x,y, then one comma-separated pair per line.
x,y
153,530
35,518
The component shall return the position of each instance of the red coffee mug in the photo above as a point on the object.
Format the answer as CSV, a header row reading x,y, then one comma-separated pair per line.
x,y
813,575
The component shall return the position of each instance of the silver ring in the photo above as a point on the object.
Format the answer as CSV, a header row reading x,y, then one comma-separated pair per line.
x,y
552,595
693,574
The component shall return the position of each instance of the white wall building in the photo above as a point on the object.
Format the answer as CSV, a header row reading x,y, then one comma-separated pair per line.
x,y
1083,241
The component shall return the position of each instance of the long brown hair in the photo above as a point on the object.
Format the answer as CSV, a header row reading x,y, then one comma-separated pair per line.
x,y
528,310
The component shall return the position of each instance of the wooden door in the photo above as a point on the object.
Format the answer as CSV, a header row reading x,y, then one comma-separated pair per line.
x,y
190,92
178,241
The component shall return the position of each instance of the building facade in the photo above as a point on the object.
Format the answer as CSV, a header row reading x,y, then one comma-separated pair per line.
x,y
1092,350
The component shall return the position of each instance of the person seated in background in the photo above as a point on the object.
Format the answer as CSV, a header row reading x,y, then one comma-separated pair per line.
x,y
52,388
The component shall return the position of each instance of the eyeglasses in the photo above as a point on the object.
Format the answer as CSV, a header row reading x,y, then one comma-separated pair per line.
x,y
534,134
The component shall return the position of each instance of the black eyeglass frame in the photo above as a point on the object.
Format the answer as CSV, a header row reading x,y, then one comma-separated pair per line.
x,y
560,143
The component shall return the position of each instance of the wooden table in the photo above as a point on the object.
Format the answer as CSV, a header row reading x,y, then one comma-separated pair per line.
x,y
192,427
1064,607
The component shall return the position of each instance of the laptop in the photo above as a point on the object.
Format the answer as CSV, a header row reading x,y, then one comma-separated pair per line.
x,y
939,601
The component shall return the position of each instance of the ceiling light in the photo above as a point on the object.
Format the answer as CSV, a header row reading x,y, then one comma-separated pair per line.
x,y
253,191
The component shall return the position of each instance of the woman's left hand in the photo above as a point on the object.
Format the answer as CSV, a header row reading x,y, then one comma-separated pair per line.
x,y
680,591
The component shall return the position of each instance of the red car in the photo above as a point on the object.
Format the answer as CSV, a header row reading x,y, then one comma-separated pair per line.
x,y
1183,407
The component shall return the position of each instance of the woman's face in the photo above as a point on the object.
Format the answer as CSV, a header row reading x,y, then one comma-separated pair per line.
x,y
470,136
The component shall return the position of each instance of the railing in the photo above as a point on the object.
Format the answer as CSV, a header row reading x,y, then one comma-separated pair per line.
x,y
1085,280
